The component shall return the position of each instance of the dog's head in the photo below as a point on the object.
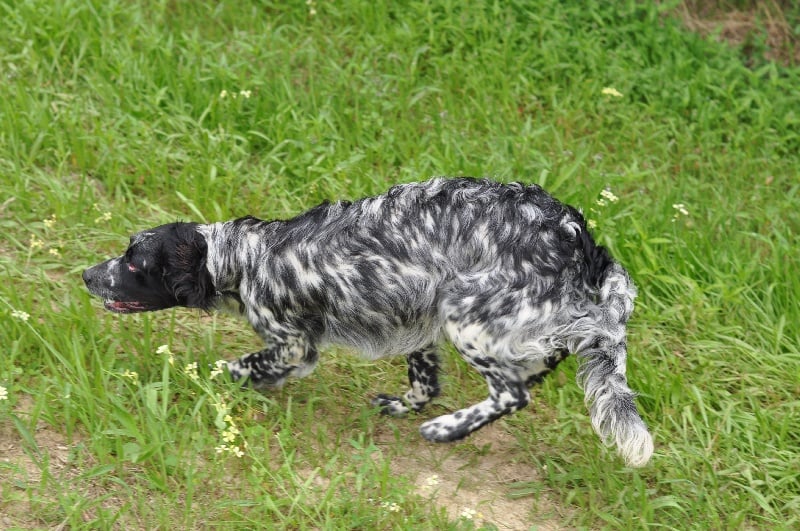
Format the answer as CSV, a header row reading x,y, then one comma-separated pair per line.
x,y
163,267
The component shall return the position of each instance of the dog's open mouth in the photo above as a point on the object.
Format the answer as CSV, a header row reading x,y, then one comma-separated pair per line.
x,y
127,306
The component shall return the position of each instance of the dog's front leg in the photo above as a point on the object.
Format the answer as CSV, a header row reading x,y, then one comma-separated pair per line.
x,y
283,358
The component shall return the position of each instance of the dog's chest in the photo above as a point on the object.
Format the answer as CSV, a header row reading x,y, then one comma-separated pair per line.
x,y
380,338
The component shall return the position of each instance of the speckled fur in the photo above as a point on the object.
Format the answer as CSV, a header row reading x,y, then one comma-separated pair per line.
x,y
506,273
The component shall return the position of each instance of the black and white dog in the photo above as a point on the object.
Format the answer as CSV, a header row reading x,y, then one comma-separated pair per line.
x,y
505,272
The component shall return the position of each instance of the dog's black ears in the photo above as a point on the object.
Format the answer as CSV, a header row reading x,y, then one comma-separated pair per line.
x,y
189,277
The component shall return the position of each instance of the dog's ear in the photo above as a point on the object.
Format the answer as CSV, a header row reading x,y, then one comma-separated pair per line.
x,y
188,275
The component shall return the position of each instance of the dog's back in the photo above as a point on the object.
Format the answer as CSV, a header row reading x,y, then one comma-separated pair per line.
x,y
387,269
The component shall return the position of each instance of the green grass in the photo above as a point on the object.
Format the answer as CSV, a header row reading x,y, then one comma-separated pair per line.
x,y
117,107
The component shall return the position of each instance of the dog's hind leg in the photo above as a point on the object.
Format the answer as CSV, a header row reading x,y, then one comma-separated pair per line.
x,y
505,396
423,367
536,373
507,393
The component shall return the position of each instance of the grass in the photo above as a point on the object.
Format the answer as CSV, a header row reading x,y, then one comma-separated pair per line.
x,y
113,118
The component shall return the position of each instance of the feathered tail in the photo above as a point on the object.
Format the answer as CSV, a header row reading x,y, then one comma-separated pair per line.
x,y
602,368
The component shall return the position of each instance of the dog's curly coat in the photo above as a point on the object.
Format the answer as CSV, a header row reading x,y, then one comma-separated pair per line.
x,y
508,274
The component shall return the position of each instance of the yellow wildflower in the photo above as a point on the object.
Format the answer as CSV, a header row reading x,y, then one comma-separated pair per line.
x,y
611,91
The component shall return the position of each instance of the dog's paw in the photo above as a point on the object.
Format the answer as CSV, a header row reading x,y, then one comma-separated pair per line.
x,y
237,371
390,405
447,428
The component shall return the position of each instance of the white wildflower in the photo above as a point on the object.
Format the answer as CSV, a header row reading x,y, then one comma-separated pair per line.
x,y
680,210
680,207
133,376
391,506
221,407
3,393
103,218
609,195
611,91
230,434
35,243
245,93
219,368
223,94
164,349
429,484
235,450
19,314
432,481
50,222
191,371
592,224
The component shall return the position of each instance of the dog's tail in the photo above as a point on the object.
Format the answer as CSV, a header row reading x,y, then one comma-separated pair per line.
x,y
602,355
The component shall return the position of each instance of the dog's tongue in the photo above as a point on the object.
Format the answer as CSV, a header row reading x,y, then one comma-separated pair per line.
x,y
124,307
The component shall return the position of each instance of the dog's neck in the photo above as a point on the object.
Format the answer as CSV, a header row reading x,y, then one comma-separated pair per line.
x,y
228,244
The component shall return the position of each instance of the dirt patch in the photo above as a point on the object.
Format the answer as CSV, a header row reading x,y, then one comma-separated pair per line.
x,y
473,480
763,30
34,475
20,473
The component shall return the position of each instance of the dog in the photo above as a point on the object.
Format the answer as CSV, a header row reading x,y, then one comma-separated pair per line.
x,y
505,272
